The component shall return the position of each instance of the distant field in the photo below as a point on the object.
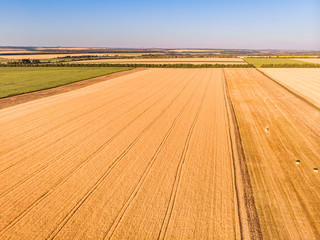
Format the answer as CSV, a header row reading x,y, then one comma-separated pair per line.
x,y
170,61
16,51
50,56
17,80
196,50
311,60
258,62
133,54
303,81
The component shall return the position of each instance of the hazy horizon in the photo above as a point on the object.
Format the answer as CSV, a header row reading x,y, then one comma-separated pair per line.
x,y
269,25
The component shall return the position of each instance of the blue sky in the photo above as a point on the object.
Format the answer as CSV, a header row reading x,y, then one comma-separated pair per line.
x,y
272,24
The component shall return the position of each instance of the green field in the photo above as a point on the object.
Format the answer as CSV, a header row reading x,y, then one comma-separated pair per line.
x,y
258,62
17,80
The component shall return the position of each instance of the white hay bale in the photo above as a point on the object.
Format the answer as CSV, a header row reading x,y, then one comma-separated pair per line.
x,y
297,162
315,170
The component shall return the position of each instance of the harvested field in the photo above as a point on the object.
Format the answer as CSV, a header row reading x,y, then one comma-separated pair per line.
x,y
309,60
303,81
277,129
169,61
152,154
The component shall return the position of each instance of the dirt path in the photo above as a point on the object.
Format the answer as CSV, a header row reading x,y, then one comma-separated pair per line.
x,y
22,98
277,128
145,155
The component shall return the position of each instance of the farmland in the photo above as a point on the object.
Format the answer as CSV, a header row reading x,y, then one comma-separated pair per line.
x,y
303,81
162,154
158,155
17,80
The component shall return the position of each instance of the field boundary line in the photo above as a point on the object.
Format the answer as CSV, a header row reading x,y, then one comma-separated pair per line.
x,y
232,160
293,92
51,112
249,220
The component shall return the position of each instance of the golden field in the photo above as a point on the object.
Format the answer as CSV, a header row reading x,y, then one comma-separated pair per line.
x,y
162,154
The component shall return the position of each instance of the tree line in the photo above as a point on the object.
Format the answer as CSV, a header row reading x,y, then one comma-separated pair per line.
x,y
133,65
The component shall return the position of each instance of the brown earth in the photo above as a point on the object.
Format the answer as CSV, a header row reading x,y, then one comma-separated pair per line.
x,y
152,154
277,128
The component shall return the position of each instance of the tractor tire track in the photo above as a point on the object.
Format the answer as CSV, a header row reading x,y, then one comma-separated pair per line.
x,y
166,220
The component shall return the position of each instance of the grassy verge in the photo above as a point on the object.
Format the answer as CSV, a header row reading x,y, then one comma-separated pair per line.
x,y
18,80
276,62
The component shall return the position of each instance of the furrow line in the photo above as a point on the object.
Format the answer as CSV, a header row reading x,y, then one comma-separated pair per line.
x,y
134,193
167,217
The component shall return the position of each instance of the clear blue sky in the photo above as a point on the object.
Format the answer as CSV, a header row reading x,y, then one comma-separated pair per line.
x,y
267,24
